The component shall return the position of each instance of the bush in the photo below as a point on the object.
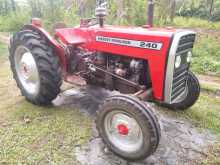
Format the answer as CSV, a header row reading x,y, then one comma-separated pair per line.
x,y
13,21
206,56
195,23
67,17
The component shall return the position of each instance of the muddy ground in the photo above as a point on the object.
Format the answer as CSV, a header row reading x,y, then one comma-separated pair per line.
x,y
181,142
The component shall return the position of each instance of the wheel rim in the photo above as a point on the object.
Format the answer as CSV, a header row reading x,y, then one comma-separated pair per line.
x,y
27,71
123,131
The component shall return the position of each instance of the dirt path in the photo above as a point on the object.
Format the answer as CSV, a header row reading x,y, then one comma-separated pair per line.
x,y
181,142
212,80
4,38
208,32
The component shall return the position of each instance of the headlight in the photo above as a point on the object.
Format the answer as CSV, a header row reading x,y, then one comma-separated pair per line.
x,y
178,62
189,56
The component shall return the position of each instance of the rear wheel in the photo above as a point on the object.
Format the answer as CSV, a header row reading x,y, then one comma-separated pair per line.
x,y
35,67
128,127
190,96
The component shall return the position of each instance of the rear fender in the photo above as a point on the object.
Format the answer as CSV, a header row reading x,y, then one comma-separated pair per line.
x,y
59,50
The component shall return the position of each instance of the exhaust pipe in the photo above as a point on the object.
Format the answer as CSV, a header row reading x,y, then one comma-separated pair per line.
x,y
101,12
150,13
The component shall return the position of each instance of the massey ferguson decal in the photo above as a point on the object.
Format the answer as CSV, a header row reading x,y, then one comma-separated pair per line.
x,y
131,43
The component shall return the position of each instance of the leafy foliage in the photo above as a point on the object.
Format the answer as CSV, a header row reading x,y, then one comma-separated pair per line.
x,y
206,56
192,22
6,6
13,21
205,9
49,10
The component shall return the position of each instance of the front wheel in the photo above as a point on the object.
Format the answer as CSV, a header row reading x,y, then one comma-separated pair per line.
x,y
128,127
190,96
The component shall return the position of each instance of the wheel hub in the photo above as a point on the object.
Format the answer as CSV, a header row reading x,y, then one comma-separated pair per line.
x,y
27,70
123,131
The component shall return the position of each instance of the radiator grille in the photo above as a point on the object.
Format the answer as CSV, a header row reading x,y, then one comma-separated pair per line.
x,y
180,75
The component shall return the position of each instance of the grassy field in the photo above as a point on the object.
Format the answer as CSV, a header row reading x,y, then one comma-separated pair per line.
x,y
37,135
192,22
206,59
205,113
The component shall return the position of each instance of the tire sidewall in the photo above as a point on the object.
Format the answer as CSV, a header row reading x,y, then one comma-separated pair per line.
x,y
13,49
47,64
143,121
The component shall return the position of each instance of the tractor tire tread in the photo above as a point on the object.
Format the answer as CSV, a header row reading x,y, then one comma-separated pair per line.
x,y
139,109
47,63
192,96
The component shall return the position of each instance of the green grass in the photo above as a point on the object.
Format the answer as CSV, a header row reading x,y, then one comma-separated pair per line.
x,y
206,113
14,21
36,135
206,57
191,22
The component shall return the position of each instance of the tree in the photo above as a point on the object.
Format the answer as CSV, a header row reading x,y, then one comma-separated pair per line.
x,y
120,11
35,8
6,6
13,5
211,9
172,10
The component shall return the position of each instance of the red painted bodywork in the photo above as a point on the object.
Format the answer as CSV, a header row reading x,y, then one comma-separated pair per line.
x,y
59,50
85,37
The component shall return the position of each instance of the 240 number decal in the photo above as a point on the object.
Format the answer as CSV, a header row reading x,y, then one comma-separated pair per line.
x,y
151,45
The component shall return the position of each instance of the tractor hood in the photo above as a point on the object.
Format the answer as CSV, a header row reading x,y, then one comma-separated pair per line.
x,y
131,41
119,40
80,35
163,32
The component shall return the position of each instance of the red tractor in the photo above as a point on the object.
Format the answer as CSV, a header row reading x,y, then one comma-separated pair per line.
x,y
142,63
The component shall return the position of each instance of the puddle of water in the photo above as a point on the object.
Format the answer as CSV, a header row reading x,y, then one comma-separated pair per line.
x,y
181,142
